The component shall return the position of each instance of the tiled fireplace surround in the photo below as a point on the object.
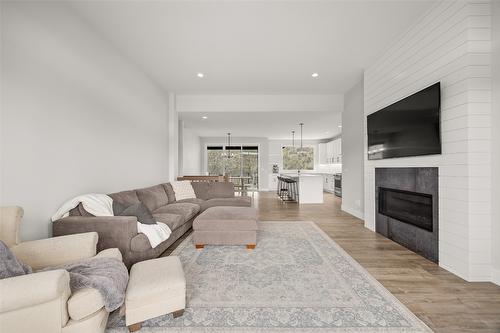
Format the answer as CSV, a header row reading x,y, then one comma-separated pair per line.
x,y
404,184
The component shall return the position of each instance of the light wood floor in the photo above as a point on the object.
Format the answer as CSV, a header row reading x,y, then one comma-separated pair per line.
x,y
445,302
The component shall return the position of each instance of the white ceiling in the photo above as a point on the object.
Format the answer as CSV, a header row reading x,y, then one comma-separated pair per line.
x,y
273,125
252,46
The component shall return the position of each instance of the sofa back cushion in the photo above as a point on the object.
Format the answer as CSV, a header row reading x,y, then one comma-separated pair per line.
x,y
170,192
201,190
220,190
125,197
138,210
153,197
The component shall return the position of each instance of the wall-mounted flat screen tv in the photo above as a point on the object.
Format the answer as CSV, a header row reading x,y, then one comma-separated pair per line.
x,y
409,127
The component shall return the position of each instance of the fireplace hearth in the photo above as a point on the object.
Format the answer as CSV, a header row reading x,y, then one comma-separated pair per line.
x,y
407,208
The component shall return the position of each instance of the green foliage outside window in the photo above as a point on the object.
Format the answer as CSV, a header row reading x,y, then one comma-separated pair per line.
x,y
296,159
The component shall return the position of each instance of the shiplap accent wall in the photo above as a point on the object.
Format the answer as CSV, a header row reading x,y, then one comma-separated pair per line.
x,y
451,43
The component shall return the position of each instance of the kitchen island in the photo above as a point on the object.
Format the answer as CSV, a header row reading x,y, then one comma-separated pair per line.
x,y
310,187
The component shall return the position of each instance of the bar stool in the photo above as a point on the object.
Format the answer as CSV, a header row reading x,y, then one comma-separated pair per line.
x,y
294,190
283,188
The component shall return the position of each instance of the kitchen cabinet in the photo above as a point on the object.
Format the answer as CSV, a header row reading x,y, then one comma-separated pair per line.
x,y
330,152
337,151
322,153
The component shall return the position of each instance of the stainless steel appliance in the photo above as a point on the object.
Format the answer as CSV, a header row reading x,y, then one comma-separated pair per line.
x,y
337,179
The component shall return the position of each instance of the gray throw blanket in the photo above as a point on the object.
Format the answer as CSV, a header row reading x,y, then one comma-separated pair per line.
x,y
108,275
9,265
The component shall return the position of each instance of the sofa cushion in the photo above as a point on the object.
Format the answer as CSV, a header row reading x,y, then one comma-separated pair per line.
x,y
195,201
170,192
140,211
185,209
183,189
201,189
84,302
172,220
153,197
125,197
218,190
235,201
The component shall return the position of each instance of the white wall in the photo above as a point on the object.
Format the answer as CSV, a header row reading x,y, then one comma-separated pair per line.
x,y
495,158
259,103
191,152
450,43
173,138
353,152
77,117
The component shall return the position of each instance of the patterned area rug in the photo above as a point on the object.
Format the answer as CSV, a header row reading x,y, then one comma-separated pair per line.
x,y
297,280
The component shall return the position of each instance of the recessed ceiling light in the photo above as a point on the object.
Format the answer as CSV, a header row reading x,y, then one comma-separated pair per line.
x,y
200,75
340,126
204,117
314,74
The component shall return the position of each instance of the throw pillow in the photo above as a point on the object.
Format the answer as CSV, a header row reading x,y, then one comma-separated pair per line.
x,y
183,190
138,210
118,207
9,265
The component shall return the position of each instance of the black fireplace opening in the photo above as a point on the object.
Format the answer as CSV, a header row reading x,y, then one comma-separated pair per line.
x,y
406,206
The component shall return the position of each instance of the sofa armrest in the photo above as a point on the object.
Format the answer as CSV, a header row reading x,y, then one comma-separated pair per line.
x,y
114,231
56,250
32,289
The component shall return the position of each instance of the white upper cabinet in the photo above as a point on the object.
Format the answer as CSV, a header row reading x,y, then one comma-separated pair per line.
x,y
322,153
330,152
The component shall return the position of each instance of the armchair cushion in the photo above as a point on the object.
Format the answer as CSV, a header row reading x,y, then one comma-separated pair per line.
x,y
57,250
84,302
110,253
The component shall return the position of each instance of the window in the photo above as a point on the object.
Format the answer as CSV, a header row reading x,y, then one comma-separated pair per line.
x,y
215,161
296,159
242,166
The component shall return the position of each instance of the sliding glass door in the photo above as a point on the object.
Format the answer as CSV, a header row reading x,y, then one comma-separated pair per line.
x,y
241,163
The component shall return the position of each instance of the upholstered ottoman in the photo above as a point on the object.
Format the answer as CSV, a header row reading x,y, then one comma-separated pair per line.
x,y
226,226
156,287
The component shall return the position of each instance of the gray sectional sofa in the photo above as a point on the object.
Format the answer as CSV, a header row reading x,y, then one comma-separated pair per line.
x,y
121,231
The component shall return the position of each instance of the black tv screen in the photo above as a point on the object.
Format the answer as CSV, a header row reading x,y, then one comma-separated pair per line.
x,y
409,127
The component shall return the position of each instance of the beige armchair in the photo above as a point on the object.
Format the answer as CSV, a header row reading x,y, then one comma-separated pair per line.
x,y
42,301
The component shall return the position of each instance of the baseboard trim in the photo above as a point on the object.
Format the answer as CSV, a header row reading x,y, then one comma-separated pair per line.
x,y
454,271
495,276
360,215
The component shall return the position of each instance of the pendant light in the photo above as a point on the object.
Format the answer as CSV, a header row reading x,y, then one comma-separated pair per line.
x,y
301,149
292,151
228,154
